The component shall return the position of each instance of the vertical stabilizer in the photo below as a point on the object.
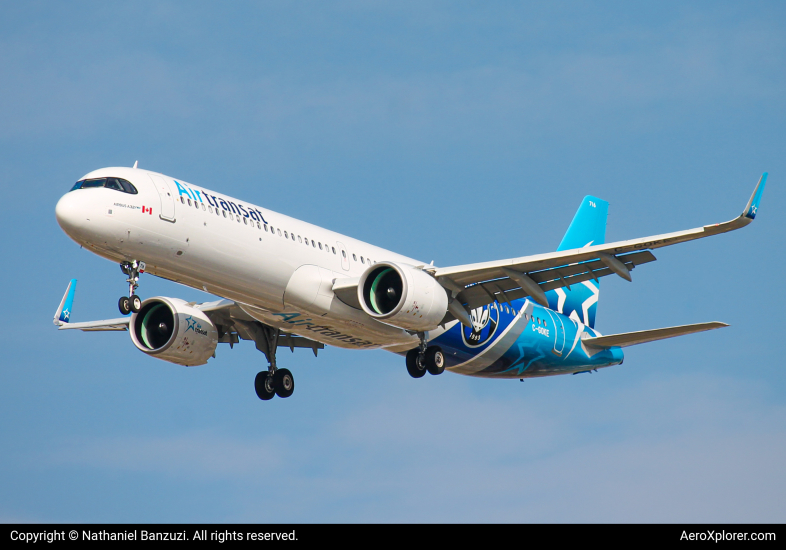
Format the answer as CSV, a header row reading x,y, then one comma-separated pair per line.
x,y
580,301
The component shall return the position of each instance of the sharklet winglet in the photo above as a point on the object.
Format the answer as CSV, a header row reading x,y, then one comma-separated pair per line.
x,y
63,313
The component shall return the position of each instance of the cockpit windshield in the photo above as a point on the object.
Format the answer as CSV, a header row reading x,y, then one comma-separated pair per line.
x,y
117,184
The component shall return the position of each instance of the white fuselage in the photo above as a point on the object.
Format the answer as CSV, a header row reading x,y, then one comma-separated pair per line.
x,y
280,270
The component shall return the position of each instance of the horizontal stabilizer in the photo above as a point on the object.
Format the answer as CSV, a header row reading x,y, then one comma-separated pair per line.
x,y
643,336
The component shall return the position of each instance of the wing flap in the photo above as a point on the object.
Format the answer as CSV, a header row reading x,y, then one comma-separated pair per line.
x,y
485,292
643,336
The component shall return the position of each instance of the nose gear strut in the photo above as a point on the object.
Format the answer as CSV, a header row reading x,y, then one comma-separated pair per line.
x,y
133,302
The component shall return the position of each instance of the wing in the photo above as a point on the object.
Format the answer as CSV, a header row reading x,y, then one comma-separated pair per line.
x,y
478,284
92,326
231,320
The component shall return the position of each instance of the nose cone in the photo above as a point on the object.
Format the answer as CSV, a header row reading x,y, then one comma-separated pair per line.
x,y
70,215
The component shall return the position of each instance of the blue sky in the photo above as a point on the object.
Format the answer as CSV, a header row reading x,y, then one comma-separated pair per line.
x,y
453,132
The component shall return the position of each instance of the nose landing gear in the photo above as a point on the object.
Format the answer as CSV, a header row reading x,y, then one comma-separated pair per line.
x,y
132,302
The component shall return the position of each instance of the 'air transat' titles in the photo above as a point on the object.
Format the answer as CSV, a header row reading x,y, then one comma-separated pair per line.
x,y
324,330
217,202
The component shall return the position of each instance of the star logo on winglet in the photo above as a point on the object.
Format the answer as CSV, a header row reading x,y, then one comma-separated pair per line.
x,y
66,314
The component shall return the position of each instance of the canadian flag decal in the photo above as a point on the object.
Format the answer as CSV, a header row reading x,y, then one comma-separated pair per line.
x,y
146,210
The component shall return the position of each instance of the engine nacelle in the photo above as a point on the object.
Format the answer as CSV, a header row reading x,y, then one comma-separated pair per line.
x,y
403,296
169,329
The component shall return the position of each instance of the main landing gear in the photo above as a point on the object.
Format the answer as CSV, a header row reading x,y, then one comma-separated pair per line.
x,y
273,381
424,359
280,383
133,302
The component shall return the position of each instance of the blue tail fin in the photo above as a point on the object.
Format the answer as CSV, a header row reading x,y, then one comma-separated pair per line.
x,y
588,228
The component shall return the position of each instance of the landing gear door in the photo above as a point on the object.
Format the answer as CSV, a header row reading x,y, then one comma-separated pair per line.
x,y
167,198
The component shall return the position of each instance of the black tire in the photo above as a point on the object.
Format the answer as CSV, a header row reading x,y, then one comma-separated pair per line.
x,y
135,303
435,360
264,386
124,304
416,367
284,383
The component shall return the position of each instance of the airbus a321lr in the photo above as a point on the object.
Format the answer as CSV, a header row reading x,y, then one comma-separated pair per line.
x,y
288,283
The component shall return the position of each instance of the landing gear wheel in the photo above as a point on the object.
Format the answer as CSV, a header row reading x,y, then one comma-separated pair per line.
x,y
135,303
435,360
125,305
263,384
416,366
284,383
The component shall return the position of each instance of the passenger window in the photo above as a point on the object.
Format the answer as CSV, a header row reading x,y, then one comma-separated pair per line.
x,y
279,232
343,254
224,212
245,221
354,257
361,260
189,202
182,199
334,249
305,240
210,209
196,205
320,246
259,226
286,235
292,235
203,206
313,243
265,228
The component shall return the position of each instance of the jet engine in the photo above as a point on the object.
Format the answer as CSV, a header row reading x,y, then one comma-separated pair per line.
x,y
403,296
170,329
